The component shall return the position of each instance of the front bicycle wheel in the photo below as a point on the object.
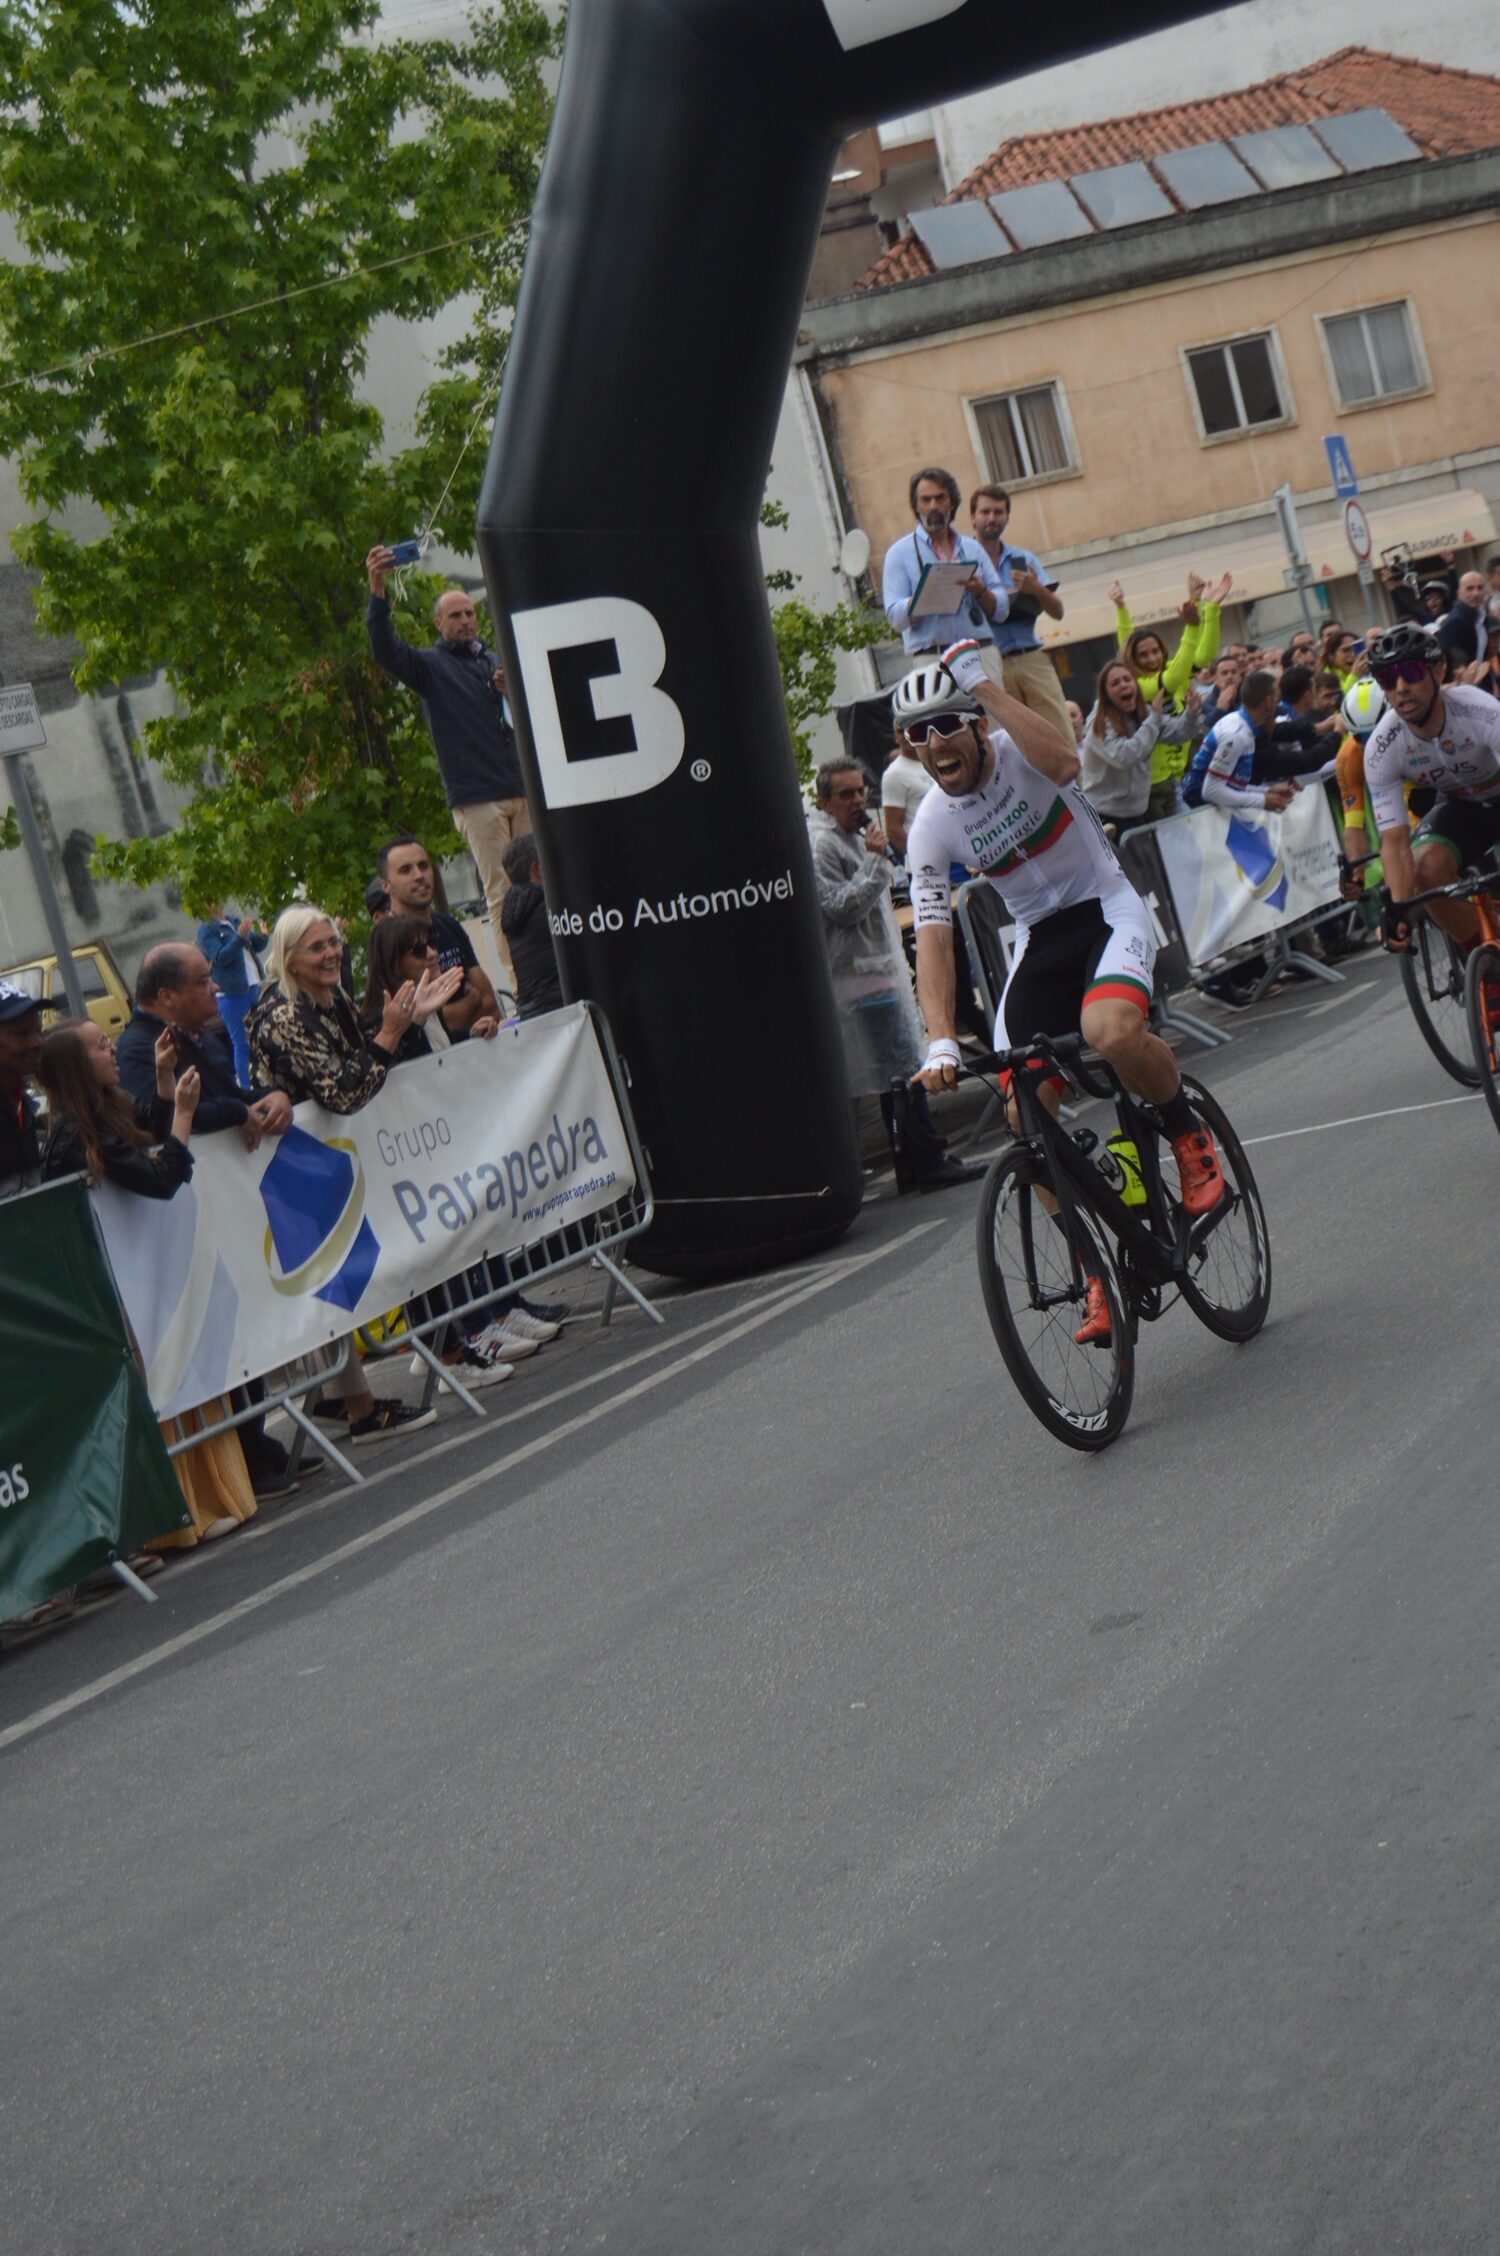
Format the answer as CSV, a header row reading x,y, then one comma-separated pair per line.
x,y
1482,998
1227,1282
1432,972
1035,1289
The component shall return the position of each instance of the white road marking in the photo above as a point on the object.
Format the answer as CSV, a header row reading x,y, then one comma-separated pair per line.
x,y
471,1430
1347,996
1357,1119
186,1639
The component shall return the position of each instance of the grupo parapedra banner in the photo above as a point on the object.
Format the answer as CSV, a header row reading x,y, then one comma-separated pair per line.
x,y
1238,874
475,1150
84,1475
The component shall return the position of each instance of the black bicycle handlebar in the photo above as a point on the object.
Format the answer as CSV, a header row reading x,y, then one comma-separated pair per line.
x,y
1395,914
1065,1050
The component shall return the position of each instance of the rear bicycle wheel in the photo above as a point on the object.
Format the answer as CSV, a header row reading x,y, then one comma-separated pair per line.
x,y
1227,1283
1034,1293
1432,972
1482,1000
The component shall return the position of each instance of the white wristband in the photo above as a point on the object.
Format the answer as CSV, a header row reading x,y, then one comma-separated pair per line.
x,y
965,662
941,1051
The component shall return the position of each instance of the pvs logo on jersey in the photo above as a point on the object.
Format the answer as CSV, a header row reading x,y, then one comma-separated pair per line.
x,y
601,726
317,1238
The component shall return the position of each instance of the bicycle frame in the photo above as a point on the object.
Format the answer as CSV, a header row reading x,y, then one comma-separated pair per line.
x,y
1161,1246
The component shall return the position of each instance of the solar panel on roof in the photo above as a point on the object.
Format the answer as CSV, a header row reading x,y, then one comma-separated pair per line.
x,y
1363,139
1044,213
1207,174
1120,195
1286,156
958,234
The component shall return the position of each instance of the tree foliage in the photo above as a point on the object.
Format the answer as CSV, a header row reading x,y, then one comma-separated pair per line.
x,y
217,207
270,182
807,645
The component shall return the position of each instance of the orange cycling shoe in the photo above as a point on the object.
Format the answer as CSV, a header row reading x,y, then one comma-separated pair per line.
x,y
1095,1330
1198,1167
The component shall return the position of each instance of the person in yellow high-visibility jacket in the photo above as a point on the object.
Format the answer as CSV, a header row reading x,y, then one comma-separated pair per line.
x,y
1145,653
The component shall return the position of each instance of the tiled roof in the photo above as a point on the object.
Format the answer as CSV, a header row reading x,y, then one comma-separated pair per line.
x,y
1446,112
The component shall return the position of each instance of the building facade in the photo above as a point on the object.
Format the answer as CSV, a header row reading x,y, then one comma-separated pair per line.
x,y
1188,335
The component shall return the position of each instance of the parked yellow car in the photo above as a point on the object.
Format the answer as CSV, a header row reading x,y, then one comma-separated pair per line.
x,y
104,990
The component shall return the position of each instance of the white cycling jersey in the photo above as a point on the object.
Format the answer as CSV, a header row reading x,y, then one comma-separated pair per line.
x,y
1039,843
1462,761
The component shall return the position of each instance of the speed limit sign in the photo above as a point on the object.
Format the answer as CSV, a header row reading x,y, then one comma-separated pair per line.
x,y
1357,531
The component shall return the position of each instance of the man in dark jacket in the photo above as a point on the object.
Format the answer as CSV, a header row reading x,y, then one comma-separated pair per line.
x,y
20,1055
175,988
528,932
1462,631
462,688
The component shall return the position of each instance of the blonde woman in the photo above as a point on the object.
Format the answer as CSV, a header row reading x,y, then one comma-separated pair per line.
x,y
305,1039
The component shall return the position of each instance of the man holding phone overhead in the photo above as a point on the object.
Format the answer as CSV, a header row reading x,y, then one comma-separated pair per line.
x,y
930,598
461,684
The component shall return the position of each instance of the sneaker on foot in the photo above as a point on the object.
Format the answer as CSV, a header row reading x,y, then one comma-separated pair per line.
x,y
1095,1330
512,1347
1198,1168
475,1369
523,1325
389,1417
271,1487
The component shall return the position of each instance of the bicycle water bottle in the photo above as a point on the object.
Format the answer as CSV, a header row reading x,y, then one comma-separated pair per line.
x,y
1120,1164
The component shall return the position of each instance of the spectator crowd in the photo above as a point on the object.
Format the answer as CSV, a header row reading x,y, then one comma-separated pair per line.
x,y
235,1026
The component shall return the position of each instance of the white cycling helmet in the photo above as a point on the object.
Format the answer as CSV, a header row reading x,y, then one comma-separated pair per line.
x,y
928,691
1362,706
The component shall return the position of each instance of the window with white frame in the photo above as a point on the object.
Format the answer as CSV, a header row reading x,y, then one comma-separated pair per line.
x,y
1238,385
1373,354
1023,434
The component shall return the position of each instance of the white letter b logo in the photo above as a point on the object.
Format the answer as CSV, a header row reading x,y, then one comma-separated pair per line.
x,y
601,727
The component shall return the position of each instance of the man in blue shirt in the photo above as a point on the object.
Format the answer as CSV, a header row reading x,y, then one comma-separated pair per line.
x,y
934,498
1030,675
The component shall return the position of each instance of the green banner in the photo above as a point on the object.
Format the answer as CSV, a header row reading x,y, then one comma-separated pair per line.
x,y
84,1475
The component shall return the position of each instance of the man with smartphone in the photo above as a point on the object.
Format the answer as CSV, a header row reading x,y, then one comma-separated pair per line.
x,y
1030,675
461,684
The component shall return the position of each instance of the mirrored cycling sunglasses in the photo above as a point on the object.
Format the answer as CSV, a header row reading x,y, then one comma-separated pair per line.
x,y
946,724
1404,670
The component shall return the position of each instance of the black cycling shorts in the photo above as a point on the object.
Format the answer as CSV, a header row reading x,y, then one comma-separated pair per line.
x,y
1470,826
1094,948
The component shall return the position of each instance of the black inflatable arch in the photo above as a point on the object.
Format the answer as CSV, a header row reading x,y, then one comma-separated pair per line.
x,y
674,231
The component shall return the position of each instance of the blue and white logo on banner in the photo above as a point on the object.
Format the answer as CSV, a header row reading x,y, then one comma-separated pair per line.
x,y
1336,447
317,1238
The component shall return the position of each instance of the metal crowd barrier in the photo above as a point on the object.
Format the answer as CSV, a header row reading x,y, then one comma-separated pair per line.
x,y
596,1239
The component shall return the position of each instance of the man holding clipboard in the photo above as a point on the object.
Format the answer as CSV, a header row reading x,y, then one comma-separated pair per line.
x,y
938,585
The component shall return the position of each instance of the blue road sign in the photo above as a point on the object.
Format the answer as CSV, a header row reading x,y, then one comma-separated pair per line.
x,y
1336,447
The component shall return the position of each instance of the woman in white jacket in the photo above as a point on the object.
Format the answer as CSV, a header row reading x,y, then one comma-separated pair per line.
x,y
1118,742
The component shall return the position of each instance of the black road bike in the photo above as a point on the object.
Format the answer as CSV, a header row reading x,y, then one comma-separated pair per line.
x,y
1432,973
1472,1013
1120,1222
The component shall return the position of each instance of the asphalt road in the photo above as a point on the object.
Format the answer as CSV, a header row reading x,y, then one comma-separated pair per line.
x,y
759,1794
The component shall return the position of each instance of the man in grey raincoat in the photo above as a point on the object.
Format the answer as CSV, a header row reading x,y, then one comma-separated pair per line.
x,y
871,984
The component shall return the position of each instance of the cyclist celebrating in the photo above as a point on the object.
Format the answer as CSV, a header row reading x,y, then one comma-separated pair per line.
x,y
1444,737
1007,802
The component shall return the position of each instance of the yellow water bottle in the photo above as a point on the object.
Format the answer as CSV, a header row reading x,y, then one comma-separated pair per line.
x,y
1122,1149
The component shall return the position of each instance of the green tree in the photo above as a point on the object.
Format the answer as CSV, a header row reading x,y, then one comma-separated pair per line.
x,y
215,206
807,645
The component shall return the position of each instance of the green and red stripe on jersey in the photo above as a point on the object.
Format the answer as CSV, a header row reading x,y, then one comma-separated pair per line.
x,y
1057,819
1119,988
